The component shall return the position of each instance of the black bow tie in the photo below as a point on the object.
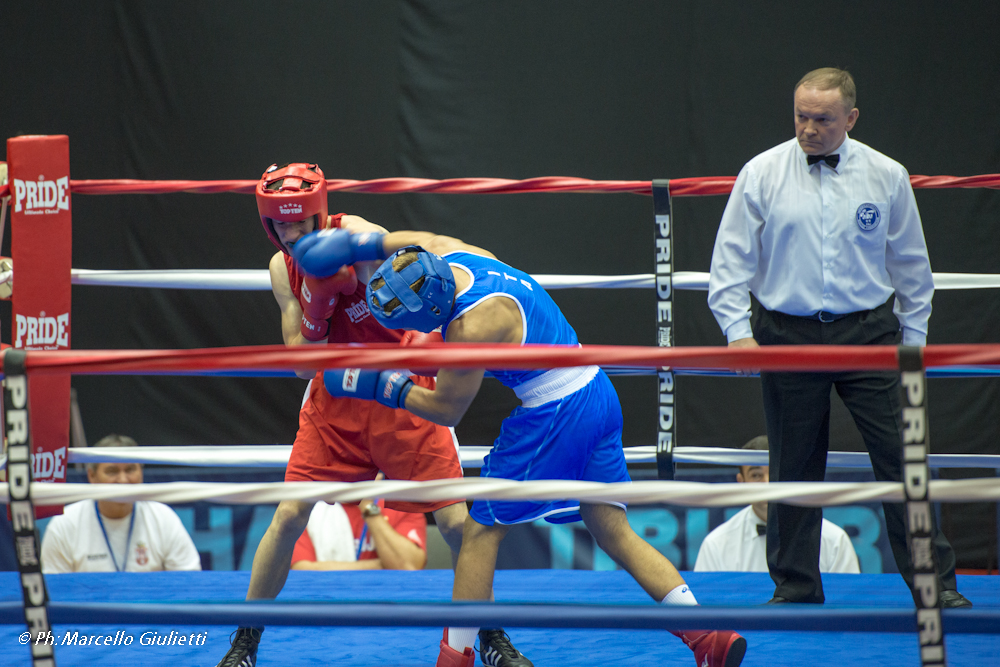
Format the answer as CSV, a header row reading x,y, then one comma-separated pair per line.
x,y
762,529
831,160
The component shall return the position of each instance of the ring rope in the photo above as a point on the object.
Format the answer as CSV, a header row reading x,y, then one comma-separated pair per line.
x,y
613,371
679,187
688,494
937,372
821,358
260,280
803,618
471,456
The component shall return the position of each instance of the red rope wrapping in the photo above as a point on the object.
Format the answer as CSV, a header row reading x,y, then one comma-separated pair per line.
x,y
679,187
450,355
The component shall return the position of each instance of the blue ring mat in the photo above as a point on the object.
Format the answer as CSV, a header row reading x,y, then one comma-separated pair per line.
x,y
408,646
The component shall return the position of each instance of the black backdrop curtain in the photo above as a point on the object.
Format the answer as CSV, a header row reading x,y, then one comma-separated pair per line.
x,y
638,90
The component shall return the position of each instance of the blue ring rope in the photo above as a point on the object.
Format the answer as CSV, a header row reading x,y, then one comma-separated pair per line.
x,y
800,617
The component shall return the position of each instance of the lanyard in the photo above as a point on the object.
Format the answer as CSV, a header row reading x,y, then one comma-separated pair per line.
x,y
361,544
364,534
128,540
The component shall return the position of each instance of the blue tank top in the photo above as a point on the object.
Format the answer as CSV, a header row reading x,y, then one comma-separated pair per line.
x,y
542,321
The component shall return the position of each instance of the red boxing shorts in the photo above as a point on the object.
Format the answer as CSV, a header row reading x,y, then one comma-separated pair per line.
x,y
351,440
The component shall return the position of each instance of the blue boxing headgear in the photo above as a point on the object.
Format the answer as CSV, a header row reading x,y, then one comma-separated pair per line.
x,y
423,309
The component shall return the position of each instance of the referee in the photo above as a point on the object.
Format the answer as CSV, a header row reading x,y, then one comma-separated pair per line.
x,y
825,232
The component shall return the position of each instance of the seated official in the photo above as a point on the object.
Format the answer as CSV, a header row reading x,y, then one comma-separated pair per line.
x,y
365,536
107,536
740,544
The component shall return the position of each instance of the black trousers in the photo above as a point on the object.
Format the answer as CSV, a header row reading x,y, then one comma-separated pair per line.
x,y
797,412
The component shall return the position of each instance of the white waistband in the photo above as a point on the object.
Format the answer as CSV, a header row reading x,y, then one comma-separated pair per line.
x,y
554,385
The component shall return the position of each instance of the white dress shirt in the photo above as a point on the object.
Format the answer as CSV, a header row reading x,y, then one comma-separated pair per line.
x,y
805,239
736,546
74,541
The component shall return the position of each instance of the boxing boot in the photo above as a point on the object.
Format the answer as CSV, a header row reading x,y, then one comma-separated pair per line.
x,y
449,657
715,648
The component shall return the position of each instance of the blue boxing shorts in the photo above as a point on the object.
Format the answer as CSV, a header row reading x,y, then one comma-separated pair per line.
x,y
578,437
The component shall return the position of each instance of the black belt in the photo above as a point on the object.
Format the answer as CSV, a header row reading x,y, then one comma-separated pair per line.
x,y
822,316
825,317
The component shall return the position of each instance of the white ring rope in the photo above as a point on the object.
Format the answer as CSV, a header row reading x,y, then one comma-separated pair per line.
x,y
259,280
681,493
219,279
276,456
688,494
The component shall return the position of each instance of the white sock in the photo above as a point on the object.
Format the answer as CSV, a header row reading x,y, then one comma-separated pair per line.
x,y
681,595
462,638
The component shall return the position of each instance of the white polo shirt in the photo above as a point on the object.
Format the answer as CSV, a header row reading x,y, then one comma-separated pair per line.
x,y
74,541
330,530
736,546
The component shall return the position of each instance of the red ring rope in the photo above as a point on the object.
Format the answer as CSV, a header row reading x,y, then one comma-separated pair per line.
x,y
679,187
269,357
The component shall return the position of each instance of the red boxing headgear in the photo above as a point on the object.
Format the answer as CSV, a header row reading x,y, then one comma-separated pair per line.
x,y
291,193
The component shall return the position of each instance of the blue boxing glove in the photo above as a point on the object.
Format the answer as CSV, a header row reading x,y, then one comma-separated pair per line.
x,y
323,253
387,387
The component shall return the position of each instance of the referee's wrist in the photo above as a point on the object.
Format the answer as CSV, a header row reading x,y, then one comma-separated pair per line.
x,y
371,510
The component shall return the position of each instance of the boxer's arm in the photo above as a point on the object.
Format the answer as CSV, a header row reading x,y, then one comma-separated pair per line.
x,y
447,402
434,243
418,339
291,311
496,320
324,252
357,225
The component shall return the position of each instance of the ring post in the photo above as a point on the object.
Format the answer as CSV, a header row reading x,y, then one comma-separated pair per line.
x,y
41,233
916,475
664,246
22,511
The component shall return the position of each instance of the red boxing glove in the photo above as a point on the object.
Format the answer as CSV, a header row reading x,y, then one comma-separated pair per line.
x,y
318,299
419,338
